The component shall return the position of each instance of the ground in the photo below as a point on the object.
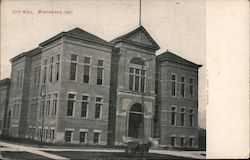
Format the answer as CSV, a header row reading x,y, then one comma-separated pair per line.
x,y
17,151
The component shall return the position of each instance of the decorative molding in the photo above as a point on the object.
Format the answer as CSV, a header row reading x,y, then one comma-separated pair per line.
x,y
126,103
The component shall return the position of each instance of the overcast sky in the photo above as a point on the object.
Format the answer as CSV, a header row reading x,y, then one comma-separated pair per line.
x,y
176,25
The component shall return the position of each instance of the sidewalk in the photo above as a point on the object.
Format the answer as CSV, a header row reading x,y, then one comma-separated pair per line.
x,y
42,151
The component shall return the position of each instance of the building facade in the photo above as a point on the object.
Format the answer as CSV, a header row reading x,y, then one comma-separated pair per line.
x,y
78,88
4,101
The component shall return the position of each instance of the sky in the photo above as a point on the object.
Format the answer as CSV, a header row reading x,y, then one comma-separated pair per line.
x,y
175,25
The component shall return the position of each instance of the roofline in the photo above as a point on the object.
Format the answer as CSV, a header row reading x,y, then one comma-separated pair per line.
x,y
62,34
122,37
190,63
5,80
25,54
135,43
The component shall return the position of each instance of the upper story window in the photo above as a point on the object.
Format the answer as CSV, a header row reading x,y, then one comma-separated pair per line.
x,y
137,73
100,68
191,117
191,87
73,67
183,86
86,70
173,84
71,104
44,70
98,106
173,115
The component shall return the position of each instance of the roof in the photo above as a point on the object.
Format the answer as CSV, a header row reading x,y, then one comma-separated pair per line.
x,y
5,81
78,33
29,53
169,56
127,38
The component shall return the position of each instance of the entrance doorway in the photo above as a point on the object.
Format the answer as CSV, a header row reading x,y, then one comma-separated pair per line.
x,y
135,129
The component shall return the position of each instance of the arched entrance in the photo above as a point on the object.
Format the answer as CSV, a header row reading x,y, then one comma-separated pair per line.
x,y
135,127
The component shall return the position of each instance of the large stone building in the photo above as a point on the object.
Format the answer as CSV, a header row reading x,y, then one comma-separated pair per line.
x,y
78,88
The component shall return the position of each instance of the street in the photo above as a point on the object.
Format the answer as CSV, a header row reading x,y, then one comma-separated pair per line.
x,y
20,152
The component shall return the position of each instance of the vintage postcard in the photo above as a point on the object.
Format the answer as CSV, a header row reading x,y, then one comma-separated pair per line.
x,y
113,79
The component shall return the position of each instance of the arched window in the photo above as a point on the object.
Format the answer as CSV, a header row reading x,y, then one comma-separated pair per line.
x,y
137,75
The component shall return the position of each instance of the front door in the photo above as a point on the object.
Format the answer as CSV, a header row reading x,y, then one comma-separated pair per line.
x,y
135,128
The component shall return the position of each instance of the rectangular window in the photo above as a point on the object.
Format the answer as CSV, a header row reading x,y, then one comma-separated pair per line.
x,y
96,137
68,136
54,105
83,137
173,115
182,116
183,87
51,72
48,105
98,106
182,141
173,85
84,106
35,76
58,57
173,139
191,88
71,104
100,72
51,59
74,57
52,132
86,74
44,74
191,141
191,117
57,70
21,78
73,71
86,70
131,80
38,75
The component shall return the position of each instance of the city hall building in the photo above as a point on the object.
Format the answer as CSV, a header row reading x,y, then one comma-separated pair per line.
x,y
78,88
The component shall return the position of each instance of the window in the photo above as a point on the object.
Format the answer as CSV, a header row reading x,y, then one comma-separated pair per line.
x,y
137,75
191,87
83,137
51,72
35,76
38,75
182,116
18,75
54,110
100,68
84,106
98,106
183,87
71,103
173,141
191,117
86,71
182,141
68,136
173,115
191,141
44,74
52,134
44,70
48,105
57,67
96,137
173,85
74,57
73,66
21,78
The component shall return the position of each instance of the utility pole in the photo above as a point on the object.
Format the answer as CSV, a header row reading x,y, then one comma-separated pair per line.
x,y
140,13
43,95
